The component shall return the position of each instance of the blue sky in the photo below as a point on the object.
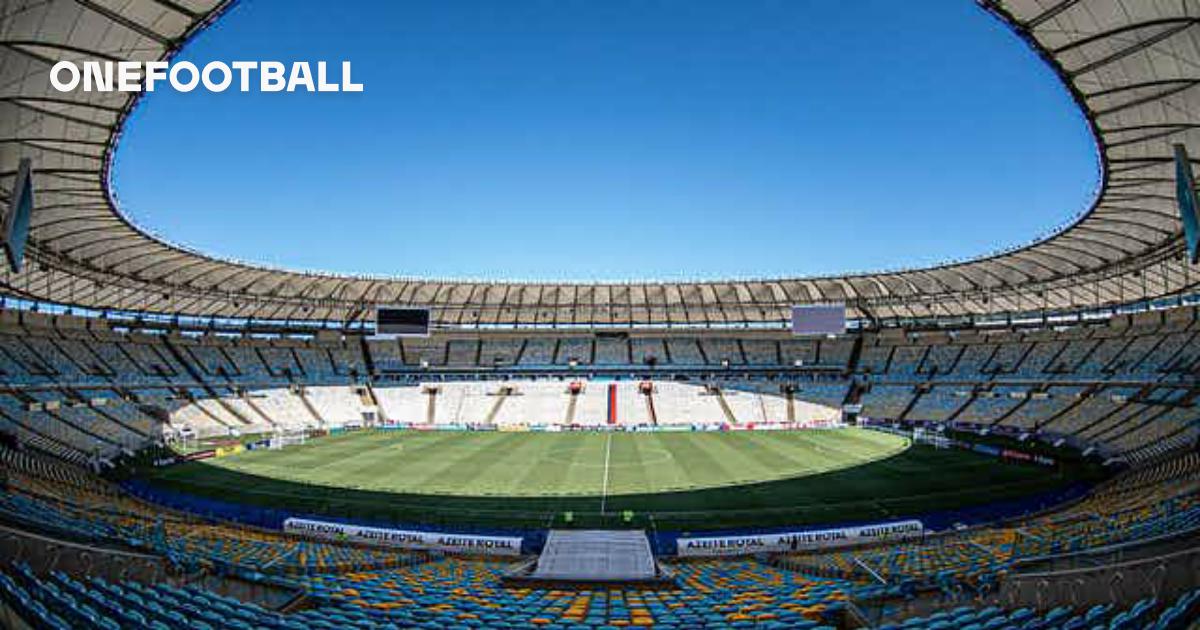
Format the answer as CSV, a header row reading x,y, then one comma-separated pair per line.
x,y
614,139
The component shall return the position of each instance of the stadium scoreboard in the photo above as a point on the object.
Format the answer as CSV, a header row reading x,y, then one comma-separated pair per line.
x,y
819,319
402,321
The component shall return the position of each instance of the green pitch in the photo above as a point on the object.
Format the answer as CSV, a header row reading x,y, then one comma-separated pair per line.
x,y
683,480
563,464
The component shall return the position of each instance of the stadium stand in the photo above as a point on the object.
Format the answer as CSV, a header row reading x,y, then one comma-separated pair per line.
x,y
218,386
1154,501
363,587
1117,384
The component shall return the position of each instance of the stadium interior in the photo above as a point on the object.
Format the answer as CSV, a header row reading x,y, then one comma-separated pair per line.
x,y
1005,442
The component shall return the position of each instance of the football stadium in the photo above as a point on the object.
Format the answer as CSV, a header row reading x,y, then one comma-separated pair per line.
x,y
1004,441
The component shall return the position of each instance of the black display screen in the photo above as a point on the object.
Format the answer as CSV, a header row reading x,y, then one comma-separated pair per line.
x,y
401,321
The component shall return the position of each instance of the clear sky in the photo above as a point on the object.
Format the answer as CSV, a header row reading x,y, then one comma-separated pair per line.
x,y
614,139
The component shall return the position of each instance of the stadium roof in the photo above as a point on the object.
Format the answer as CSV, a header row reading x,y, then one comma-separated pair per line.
x,y
1132,66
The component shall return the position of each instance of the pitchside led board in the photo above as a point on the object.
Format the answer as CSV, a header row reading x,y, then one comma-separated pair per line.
x,y
819,319
402,321
16,218
1189,209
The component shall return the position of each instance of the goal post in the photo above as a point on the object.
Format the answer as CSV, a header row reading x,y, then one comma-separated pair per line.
x,y
282,438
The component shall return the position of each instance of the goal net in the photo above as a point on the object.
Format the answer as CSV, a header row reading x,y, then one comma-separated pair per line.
x,y
923,436
288,437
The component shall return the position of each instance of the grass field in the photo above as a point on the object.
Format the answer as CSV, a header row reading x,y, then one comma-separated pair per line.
x,y
564,464
684,480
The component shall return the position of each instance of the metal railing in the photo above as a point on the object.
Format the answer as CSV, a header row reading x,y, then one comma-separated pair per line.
x,y
44,554
1121,583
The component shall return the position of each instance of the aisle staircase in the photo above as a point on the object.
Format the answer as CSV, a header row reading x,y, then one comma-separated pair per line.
x,y
725,408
